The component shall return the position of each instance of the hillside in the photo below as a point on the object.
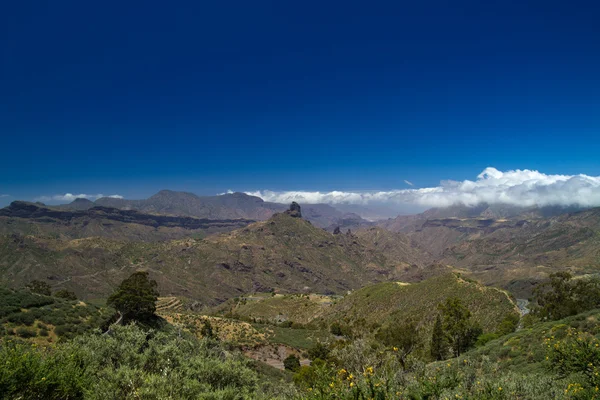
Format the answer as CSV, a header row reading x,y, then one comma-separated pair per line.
x,y
284,254
380,303
46,319
514,252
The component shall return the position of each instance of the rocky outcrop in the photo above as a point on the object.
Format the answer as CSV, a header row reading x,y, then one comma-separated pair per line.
x,y
294,210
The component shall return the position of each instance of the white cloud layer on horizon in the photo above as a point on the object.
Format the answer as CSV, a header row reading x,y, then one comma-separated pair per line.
x,y
516,187
70,197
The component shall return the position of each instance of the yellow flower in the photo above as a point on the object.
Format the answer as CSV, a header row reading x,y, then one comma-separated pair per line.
x,y
499,388
395,349
351,384
331,385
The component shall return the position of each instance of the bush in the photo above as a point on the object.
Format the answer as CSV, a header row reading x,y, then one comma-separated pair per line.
x,y
291,363
25,332
23,318
336,329
65,294
129,363
39,287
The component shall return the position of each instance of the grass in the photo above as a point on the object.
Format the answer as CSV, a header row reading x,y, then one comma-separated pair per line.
x,y
302,339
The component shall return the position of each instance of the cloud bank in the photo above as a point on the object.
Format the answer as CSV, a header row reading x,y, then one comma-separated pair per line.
x,y
524,188
69,197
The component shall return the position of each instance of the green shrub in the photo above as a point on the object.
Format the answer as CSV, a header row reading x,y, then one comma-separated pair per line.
x,y
291,363
25,332
130,363
23,318
65,294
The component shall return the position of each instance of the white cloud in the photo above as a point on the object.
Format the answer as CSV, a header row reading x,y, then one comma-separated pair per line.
x,y
517,187
4,195
409,183
69,197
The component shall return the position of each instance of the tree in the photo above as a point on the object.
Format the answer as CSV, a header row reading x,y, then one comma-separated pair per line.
x,y
562,296
460,330
319,351
291,363
39,287
207,330
135,298
439,342
402,337
65,294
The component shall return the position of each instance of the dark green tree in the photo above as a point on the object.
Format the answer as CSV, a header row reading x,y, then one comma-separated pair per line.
x,y
336,329
319,351
39,287
135,298
207,330
439,342
291,363
65,294
401,336
460,330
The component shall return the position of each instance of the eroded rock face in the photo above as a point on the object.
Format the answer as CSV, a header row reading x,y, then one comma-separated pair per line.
x,y
337,230
294,210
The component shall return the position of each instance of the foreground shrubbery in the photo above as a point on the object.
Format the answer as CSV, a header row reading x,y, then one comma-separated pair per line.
x,y
131,363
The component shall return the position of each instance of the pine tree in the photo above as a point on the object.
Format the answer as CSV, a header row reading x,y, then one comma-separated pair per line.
x,y
439,343
460,330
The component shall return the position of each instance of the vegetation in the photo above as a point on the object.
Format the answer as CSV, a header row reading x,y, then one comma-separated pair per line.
x,y
130,363
458,327
291,363
65,294
562,296
45,319
39,287
135,298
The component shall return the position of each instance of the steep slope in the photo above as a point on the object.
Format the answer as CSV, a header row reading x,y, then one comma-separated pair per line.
x,y
284,254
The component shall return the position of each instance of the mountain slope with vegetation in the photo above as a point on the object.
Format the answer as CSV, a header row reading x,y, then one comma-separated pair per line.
x,y
283,254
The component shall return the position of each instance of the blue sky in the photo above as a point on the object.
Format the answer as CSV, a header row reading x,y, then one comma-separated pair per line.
x,y
129,98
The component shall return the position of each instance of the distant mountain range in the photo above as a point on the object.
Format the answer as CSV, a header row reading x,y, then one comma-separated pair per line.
x,y
81,221
225,206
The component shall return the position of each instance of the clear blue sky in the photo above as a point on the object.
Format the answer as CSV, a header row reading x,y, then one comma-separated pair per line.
x,y
133,97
